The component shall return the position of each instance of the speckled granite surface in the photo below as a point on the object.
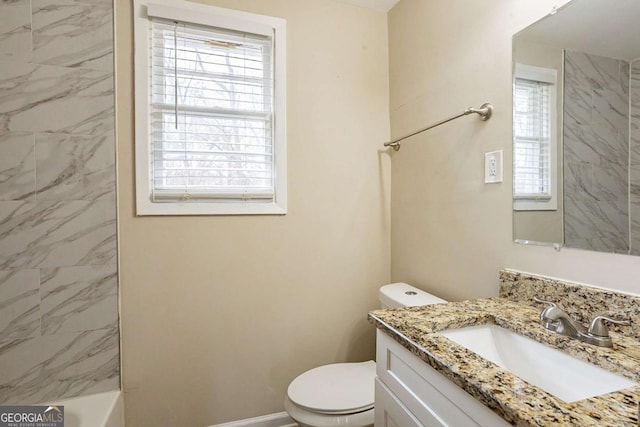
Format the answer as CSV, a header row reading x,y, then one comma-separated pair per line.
x,y
517,401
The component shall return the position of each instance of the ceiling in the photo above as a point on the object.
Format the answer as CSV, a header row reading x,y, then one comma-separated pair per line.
x,y
599,27
382,5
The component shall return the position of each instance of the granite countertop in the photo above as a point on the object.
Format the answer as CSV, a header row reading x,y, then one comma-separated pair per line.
x,y
515,400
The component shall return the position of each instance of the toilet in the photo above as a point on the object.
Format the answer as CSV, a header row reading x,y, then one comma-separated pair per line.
x,y
342,394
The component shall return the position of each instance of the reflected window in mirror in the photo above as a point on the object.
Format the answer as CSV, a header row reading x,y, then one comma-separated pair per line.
x,y
535,138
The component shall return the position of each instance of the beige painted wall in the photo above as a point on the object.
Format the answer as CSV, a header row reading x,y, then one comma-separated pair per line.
x,y
451,233
219,314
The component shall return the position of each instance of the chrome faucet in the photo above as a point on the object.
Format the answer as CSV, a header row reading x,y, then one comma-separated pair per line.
x,y
557,320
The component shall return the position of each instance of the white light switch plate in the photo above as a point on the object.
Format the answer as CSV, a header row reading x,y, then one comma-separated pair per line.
x,y
493,167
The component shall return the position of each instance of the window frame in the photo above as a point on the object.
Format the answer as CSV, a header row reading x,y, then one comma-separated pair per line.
x,y
550,76
210,16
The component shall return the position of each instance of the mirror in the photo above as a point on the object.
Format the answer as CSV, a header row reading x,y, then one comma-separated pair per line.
x,y
576,128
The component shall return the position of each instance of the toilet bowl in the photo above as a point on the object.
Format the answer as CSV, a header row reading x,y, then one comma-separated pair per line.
x,y
333,395
342,394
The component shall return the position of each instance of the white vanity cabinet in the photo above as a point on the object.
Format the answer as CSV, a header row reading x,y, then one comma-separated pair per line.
x,y
411,393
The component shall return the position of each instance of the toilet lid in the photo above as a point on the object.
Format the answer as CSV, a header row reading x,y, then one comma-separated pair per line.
x,y
342,388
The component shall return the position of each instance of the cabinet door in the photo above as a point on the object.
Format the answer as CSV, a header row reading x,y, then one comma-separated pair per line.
x,y
429,396
390,412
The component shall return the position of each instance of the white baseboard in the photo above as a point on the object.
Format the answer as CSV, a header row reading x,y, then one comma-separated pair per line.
x,y
281,419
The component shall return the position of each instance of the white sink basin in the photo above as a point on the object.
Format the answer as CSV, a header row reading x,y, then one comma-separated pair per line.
x,y
558,373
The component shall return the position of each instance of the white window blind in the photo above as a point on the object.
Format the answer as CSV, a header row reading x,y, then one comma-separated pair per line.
x,y
532,133
211,114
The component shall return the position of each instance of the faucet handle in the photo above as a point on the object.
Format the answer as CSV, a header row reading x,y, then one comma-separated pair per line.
x,y
549,303
599,328
549,324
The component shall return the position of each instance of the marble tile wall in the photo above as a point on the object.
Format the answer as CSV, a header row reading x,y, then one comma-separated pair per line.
x,y
596,153
59,333
634,142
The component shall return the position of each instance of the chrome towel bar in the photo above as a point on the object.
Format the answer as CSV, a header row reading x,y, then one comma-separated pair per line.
x,y
485,111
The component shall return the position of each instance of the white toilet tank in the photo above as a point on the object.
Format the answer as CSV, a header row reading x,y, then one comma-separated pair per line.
x,y
403,295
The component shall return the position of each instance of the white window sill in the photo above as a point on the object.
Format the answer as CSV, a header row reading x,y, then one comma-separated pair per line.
x,y
148,208
535,205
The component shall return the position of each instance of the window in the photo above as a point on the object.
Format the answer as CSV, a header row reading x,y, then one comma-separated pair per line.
x,y
210,112
535,135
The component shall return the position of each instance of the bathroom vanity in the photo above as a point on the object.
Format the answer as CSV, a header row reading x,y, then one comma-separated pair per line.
x,y
425,378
